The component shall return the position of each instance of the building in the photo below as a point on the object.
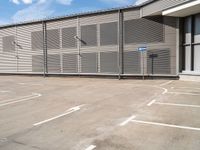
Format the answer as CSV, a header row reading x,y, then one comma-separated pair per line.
x,y
106,42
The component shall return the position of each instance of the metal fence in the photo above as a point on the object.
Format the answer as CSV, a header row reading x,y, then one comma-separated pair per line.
x,y
85,46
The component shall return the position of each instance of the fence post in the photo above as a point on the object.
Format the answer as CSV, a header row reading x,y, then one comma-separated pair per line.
x,y
44,48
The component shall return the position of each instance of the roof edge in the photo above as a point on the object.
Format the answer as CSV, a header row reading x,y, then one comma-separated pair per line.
x,y
77,15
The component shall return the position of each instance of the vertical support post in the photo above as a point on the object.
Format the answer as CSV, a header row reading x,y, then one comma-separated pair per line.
x,y
192,41
44,48
178,46
152,66
78,45
120,43
143,65
16,47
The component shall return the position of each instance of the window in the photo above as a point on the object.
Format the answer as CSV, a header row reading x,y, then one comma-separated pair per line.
x,y
197,29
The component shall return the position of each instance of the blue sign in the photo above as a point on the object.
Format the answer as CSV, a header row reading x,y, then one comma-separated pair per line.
x,y
142,49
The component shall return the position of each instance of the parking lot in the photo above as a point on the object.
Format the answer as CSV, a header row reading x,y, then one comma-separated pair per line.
x,y
55,113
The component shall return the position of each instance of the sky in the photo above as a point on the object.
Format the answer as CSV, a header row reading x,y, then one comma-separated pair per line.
x,y
14,11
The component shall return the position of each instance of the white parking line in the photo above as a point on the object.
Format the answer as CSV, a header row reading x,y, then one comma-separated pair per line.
x,y
127,121
4,91
188,88
22,99
21,83
174,104
152,102
183,93
165,91
132,119
91,147
69,111
166,83
34,84
166,125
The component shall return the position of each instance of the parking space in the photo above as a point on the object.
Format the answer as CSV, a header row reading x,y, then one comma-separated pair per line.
x,y
100,114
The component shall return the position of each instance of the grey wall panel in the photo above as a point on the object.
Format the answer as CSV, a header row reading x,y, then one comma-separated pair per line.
x,y
70,63
54,65
89,35
89,63
109,33
159,5
188,58
38,63
53,39
8,43
132,62
68,37
197,58
145,30
161,64
109,62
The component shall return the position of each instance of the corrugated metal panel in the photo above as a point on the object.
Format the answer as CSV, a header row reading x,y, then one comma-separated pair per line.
x,y
8,60
109,62
27,49
132,62
145,30
159,6
37,63
8,43
161,64
70,63
89,63
68,37
53,39
89,35
131,14
54,65
109,33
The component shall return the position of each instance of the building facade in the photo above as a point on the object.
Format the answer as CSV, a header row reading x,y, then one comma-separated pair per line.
x,y
107,42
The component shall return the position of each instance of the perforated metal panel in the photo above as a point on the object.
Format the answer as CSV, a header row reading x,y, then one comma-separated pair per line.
x,y
70,63
161,64
109,62
37,40
53,63
145,30
37,63
109,33
53,39
132,62
89,35
68,37
8,43
89,63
